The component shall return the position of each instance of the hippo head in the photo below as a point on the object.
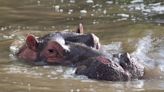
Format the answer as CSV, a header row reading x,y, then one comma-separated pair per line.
x,y
50,50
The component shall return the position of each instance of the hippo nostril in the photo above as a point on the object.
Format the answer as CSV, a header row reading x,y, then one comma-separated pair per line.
x,y
51,50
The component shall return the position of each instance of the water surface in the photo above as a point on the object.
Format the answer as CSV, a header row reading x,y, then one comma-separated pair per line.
x,y
134,26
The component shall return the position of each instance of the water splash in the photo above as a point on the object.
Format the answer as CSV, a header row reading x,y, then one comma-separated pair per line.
x,y
143,47
113,48
89,1
15,46
151,9
150,52
136,1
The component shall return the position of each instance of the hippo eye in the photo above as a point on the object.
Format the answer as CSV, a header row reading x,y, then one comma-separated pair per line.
x,y
51,50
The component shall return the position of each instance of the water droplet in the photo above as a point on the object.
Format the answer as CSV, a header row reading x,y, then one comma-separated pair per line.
x,y
29,86
61,1
71,90
72,1
2,28
123,15
38,2
57,8
104,12
60,10
70,11
109,2
89,1
92,15
83,12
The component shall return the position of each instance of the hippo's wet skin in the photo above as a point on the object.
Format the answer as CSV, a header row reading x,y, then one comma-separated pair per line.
x,y
79,50
48,47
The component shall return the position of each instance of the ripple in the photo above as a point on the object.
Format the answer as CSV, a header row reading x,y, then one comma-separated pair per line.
x,y
136,1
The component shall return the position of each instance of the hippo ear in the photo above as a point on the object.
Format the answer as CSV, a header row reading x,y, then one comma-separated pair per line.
x,y
31,42
80,29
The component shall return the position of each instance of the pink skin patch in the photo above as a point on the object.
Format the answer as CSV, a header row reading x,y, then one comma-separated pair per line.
x,y
31,42
27,54
28,51
80,30
103,60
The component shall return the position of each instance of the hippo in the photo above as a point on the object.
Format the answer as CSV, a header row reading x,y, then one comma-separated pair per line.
x,y
75,49
31,50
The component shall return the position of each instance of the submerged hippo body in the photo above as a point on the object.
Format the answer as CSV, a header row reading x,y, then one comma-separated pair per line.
x,y
79,50
102,68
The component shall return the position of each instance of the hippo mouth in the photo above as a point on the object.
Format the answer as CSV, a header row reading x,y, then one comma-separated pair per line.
x,y
54,60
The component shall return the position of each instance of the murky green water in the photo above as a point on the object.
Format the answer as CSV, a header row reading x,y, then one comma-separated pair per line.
x,y
135,26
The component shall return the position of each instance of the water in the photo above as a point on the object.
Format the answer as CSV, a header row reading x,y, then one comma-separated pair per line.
x,y
134,26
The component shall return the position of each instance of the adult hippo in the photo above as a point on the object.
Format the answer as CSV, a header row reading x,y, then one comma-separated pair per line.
x,y
73,49
34,46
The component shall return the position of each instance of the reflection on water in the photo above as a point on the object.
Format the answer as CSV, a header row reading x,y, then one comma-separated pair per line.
x,y
135,26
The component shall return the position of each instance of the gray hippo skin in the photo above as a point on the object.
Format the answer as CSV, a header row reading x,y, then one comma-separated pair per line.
x,y
102,68
41,49
80,51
